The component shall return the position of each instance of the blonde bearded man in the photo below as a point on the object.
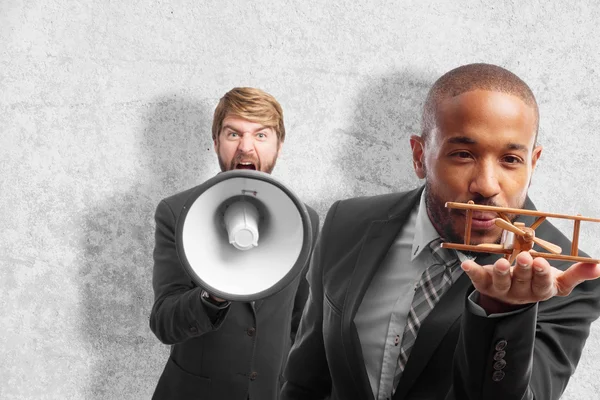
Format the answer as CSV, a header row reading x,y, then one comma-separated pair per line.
x,y
221,349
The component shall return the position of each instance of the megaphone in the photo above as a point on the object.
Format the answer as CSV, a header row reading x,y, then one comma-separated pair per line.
x,y
243,236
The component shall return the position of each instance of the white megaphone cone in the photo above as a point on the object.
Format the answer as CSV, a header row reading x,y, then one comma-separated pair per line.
x,y
241,222
217,235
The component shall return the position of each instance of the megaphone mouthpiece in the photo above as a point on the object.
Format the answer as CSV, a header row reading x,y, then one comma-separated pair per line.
x,y
241,223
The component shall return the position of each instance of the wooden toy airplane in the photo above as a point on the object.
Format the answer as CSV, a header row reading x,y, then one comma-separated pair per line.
x,y
517,237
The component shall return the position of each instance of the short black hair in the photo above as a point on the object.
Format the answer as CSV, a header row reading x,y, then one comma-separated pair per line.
x,y
472,77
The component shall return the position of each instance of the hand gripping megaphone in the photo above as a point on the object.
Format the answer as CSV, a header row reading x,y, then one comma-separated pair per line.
x,y
243,235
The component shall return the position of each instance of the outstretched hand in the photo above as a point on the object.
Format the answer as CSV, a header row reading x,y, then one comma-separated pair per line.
x,y
503,288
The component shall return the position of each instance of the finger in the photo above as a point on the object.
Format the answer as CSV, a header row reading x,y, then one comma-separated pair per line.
x,y
574,275
522,276
479,277
501,277
542,283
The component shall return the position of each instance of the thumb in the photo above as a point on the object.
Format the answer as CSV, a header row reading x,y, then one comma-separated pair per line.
x,y
574,275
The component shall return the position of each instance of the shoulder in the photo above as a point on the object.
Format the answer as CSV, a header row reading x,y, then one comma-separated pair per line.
x,y
551,233
368,208
314,216
370,202
357,213
176,202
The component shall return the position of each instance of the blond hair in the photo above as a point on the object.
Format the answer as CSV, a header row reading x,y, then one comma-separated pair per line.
x,y
252,104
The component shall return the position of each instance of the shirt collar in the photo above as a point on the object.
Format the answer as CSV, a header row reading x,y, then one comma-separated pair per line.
x,y
425,232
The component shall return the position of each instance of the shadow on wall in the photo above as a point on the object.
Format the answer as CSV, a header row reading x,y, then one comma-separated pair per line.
x,y
376,154
175,153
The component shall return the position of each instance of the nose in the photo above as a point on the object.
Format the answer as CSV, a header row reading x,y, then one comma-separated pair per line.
x,y
246,143
485,181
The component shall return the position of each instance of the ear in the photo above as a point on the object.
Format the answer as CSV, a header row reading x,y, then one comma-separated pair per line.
x,y
535,156
418,154
216,145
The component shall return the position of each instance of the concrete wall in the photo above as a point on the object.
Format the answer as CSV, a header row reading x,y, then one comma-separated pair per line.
x,y
105,108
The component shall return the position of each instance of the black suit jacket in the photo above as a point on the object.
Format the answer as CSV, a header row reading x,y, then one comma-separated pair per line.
x,y
235,353
456,353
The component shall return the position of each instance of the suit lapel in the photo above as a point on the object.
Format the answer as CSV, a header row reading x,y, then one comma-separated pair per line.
x,y
435,327
431,333
375,245
441,318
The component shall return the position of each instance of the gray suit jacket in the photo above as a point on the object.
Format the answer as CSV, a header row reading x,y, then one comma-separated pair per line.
x,y
456,353
238,352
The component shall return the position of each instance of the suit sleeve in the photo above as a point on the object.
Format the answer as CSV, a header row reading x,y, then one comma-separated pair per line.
x,y
307,371
302,292
527,355
178,312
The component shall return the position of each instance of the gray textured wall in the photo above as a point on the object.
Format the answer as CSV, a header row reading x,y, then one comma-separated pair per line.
x,y
105,108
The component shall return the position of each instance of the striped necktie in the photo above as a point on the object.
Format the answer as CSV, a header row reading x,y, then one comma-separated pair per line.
x,y
434,282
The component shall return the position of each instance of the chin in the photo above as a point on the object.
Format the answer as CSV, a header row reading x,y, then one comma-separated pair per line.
x,y
457,235
485,237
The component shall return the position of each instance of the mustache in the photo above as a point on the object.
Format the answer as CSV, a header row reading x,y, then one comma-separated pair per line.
x,y
483,201
239,158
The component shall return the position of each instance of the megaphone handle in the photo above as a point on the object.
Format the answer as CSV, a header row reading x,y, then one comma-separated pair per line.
x,y
216,301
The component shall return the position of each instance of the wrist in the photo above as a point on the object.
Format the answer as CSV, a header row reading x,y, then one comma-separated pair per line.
x,y
492,305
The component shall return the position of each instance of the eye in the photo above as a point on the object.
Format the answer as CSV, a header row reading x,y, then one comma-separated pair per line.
x,y
510,159
461,154
261,135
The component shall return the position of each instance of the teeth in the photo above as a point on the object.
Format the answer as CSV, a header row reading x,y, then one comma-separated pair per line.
x,y
246,163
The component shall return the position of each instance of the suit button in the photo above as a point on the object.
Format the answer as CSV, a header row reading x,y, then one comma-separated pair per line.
x,y
497,376
253,375
499,355
501,345
500,364
251,331
193,329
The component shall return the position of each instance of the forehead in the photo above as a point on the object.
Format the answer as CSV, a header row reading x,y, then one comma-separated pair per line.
x,y
486,115
238,123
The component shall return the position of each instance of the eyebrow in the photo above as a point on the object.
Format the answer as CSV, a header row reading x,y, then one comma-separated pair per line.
x,y
235,130
468,140
461,140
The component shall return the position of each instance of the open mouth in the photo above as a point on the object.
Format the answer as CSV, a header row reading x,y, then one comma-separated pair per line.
x,y
245,165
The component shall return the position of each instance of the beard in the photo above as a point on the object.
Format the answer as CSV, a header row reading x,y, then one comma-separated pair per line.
x,y
444,219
